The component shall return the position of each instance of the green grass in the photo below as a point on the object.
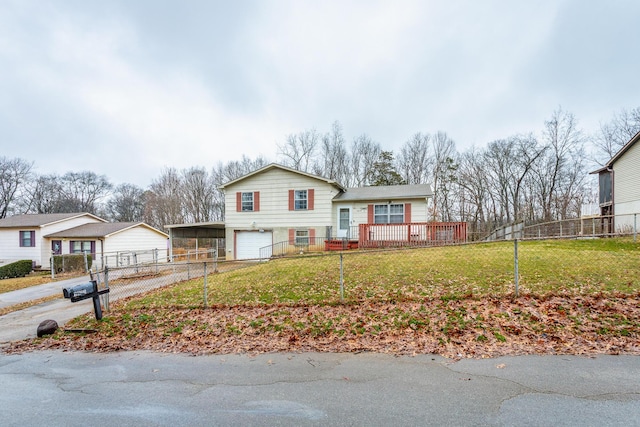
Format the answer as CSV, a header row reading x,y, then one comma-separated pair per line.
x,y
577,267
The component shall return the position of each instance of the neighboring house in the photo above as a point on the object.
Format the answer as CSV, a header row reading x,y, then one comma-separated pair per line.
x,y
278,205
38,236
619,186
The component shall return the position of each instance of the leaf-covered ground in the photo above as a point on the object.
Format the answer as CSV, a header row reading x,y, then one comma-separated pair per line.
x,y
452,327
576,297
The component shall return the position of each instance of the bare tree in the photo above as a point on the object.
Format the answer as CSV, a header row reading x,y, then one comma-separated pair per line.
x,y
415,162
81,191
127,204
472,179
299,149
557,174
163,201
364,155
444,155
15,174
45,193
334,156
614,134
198,195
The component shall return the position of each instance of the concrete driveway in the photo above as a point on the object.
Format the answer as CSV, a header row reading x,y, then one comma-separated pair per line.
x,y
151,389
23,324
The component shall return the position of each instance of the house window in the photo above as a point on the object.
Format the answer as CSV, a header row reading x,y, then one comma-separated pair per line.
x,y
247,202
300,200
302,237
80,246
388,214
27,239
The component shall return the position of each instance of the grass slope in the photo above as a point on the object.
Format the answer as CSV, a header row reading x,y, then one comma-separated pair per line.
x,y
579,296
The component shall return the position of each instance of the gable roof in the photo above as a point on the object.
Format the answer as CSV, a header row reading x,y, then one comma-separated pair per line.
x,y
619,154
40,220
385,192
284,168
101,230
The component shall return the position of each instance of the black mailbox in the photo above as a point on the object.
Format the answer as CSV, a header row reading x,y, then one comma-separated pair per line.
x,y
86,291
80,292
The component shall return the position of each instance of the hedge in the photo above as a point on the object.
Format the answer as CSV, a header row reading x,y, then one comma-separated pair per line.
x,y
16,269
71,262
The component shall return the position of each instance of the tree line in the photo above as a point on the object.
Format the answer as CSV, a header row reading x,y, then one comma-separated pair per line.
x,y
525,177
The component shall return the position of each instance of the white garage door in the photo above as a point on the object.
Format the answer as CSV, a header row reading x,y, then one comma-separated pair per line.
x,y
248,243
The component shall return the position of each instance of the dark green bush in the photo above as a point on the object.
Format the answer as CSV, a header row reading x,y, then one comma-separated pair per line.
x,y
71,262
16,269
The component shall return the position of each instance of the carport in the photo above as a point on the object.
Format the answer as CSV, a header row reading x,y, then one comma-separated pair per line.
x,y
198,230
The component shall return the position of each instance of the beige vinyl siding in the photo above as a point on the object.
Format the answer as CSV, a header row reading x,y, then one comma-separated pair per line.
x,y
138,238
626,191
627,182
45,244
274,186
10,246
274,215
359,210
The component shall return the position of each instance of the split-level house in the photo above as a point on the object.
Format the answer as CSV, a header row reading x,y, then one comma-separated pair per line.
x,y
619,187
39,236
279,206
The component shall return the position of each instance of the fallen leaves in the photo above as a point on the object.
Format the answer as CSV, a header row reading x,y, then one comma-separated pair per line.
x,y
467,327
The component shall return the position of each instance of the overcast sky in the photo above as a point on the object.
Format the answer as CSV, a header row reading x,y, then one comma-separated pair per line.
x,y
126,88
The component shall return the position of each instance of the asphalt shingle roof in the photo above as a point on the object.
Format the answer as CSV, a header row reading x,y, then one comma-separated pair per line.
x,y
94,229
386,192
35,220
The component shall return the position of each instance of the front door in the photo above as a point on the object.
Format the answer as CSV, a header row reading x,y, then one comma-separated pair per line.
x,y
344,222
56,247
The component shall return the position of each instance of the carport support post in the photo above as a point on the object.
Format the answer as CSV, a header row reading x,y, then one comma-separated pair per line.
x,y
515,263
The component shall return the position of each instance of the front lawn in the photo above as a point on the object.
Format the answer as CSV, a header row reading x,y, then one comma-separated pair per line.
x,y
576,297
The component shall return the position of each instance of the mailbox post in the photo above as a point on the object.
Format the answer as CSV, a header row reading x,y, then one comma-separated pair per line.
x,y
86,291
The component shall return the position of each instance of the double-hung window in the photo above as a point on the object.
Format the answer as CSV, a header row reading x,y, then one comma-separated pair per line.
x,y
300,200
302,237
27,239
247,202
388,214
80,246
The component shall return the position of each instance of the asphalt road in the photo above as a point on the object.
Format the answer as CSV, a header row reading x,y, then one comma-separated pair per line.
x,y
151,389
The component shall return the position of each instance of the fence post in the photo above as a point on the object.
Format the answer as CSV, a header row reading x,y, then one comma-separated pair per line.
x,y
106,284
515,263
635,228
341,279
86,262
205,284
53,267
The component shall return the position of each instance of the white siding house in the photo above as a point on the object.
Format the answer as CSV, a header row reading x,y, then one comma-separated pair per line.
x,y
22,236
38,236
620,185
277,205
115,243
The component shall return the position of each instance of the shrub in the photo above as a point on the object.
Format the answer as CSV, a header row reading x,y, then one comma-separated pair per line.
x,y
16,269
73,262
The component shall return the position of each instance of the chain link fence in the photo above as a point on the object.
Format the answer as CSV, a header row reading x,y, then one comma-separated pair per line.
x,y
499,269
